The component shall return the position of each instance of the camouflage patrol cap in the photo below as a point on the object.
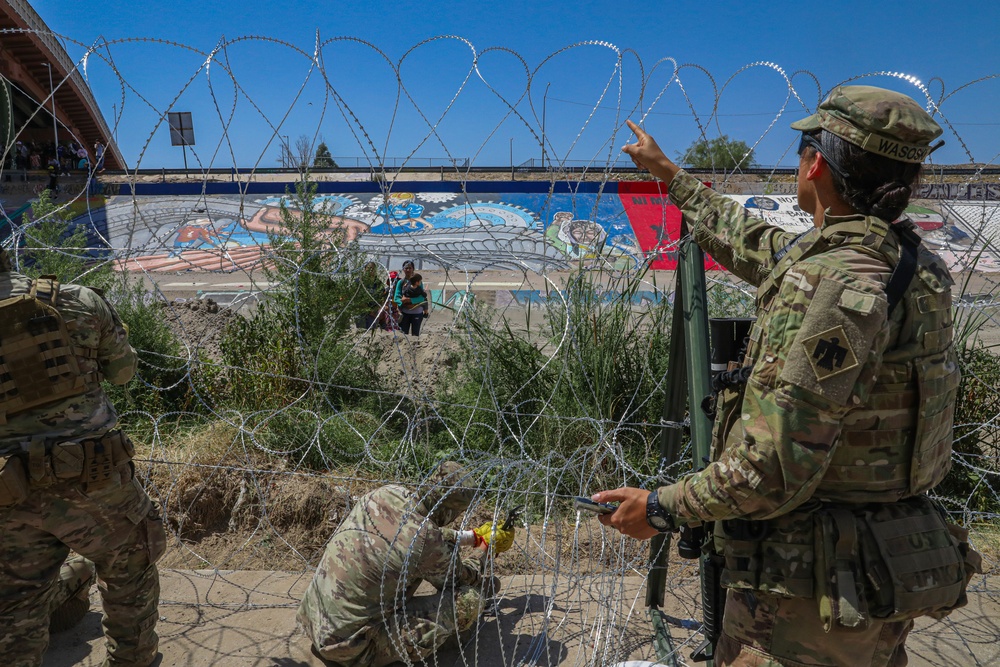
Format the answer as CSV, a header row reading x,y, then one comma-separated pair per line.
x,y
880,121
445,493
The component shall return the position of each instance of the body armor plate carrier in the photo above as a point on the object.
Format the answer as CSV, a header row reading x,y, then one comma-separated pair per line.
x,y
37,363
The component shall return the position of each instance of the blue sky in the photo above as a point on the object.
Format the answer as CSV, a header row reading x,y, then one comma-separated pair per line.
x,y
272,90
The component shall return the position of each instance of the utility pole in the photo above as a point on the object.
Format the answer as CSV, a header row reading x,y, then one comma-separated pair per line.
x,y
544,99
512,158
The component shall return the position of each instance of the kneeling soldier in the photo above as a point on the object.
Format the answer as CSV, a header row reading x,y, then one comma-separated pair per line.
x,y
360,608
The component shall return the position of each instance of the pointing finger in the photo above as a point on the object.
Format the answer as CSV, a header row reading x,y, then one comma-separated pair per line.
x,y
638,131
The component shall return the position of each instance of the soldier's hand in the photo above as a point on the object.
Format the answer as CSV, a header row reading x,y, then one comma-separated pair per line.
x,y
630,517
646,154
495,537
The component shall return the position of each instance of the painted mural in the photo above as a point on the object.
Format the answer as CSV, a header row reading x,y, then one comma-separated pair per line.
x,y
623,226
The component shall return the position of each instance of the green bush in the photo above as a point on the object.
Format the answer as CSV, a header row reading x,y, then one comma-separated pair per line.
x,y
592,371
974,479
161,384
51,246
295,360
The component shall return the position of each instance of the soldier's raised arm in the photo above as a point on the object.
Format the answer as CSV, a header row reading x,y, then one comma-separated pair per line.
x,y
745,245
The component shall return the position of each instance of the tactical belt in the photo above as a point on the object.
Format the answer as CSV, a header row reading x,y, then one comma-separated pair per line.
x,y
92,462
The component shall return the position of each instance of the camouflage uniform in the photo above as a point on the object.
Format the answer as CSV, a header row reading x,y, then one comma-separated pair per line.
x,y
788,440
111,522
360,608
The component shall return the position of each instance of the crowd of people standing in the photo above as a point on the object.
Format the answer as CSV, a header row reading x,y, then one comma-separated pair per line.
x,y
63,159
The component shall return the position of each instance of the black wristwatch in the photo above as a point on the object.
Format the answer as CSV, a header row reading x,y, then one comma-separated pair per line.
x,y
656,516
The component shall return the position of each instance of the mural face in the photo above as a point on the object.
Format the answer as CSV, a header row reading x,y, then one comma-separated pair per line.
x,y
623,226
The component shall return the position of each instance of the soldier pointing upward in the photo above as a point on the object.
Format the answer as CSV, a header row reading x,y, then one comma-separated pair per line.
x,y
822,457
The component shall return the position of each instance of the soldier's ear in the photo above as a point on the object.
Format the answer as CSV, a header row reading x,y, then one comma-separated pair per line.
x,y
816,166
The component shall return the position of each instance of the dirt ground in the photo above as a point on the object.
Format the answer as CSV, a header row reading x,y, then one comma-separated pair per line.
x,y
247,619
199,323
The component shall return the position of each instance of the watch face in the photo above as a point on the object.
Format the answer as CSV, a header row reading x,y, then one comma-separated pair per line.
x,y
654,513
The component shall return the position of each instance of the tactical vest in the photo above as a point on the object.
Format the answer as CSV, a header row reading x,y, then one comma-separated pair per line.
x,y
38,362
896,445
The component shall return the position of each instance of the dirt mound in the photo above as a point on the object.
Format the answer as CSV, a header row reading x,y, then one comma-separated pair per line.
x,y
253,512
198,323
413,366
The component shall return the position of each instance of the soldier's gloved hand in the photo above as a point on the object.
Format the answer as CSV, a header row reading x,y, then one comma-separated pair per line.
x,y
496,538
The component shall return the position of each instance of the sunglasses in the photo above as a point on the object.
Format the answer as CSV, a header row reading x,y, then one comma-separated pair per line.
x,y
809,140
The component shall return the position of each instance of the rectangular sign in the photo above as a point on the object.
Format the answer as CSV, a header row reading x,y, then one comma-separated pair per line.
x,y
181,128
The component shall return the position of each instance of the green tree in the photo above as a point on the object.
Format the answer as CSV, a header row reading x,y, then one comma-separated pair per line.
x,y
323,159
53,246
719,153
293,345
312,263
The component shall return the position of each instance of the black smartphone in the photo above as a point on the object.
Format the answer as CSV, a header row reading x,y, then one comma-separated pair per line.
x,y
584,504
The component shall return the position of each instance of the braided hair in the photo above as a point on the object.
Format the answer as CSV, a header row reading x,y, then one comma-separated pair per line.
x,y
869,183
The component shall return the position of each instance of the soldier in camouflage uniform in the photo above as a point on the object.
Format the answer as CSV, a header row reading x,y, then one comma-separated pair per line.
x,y
66,476
360,609
821,457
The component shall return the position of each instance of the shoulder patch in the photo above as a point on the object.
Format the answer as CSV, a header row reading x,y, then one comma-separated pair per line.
x,y
830,353
831,334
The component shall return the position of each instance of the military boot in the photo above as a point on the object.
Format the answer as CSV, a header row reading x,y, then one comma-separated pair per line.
x,y
73,594
111,662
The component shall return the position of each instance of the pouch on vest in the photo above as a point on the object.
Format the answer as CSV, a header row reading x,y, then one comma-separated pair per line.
x,y
938,378
37,364
99,469
774,556
13,481
839,589
914,563
67,460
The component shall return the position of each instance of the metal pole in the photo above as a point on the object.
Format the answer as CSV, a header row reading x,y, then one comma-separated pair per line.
x,y
512,158
55,125
689,369
544,100
114,111
691,265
